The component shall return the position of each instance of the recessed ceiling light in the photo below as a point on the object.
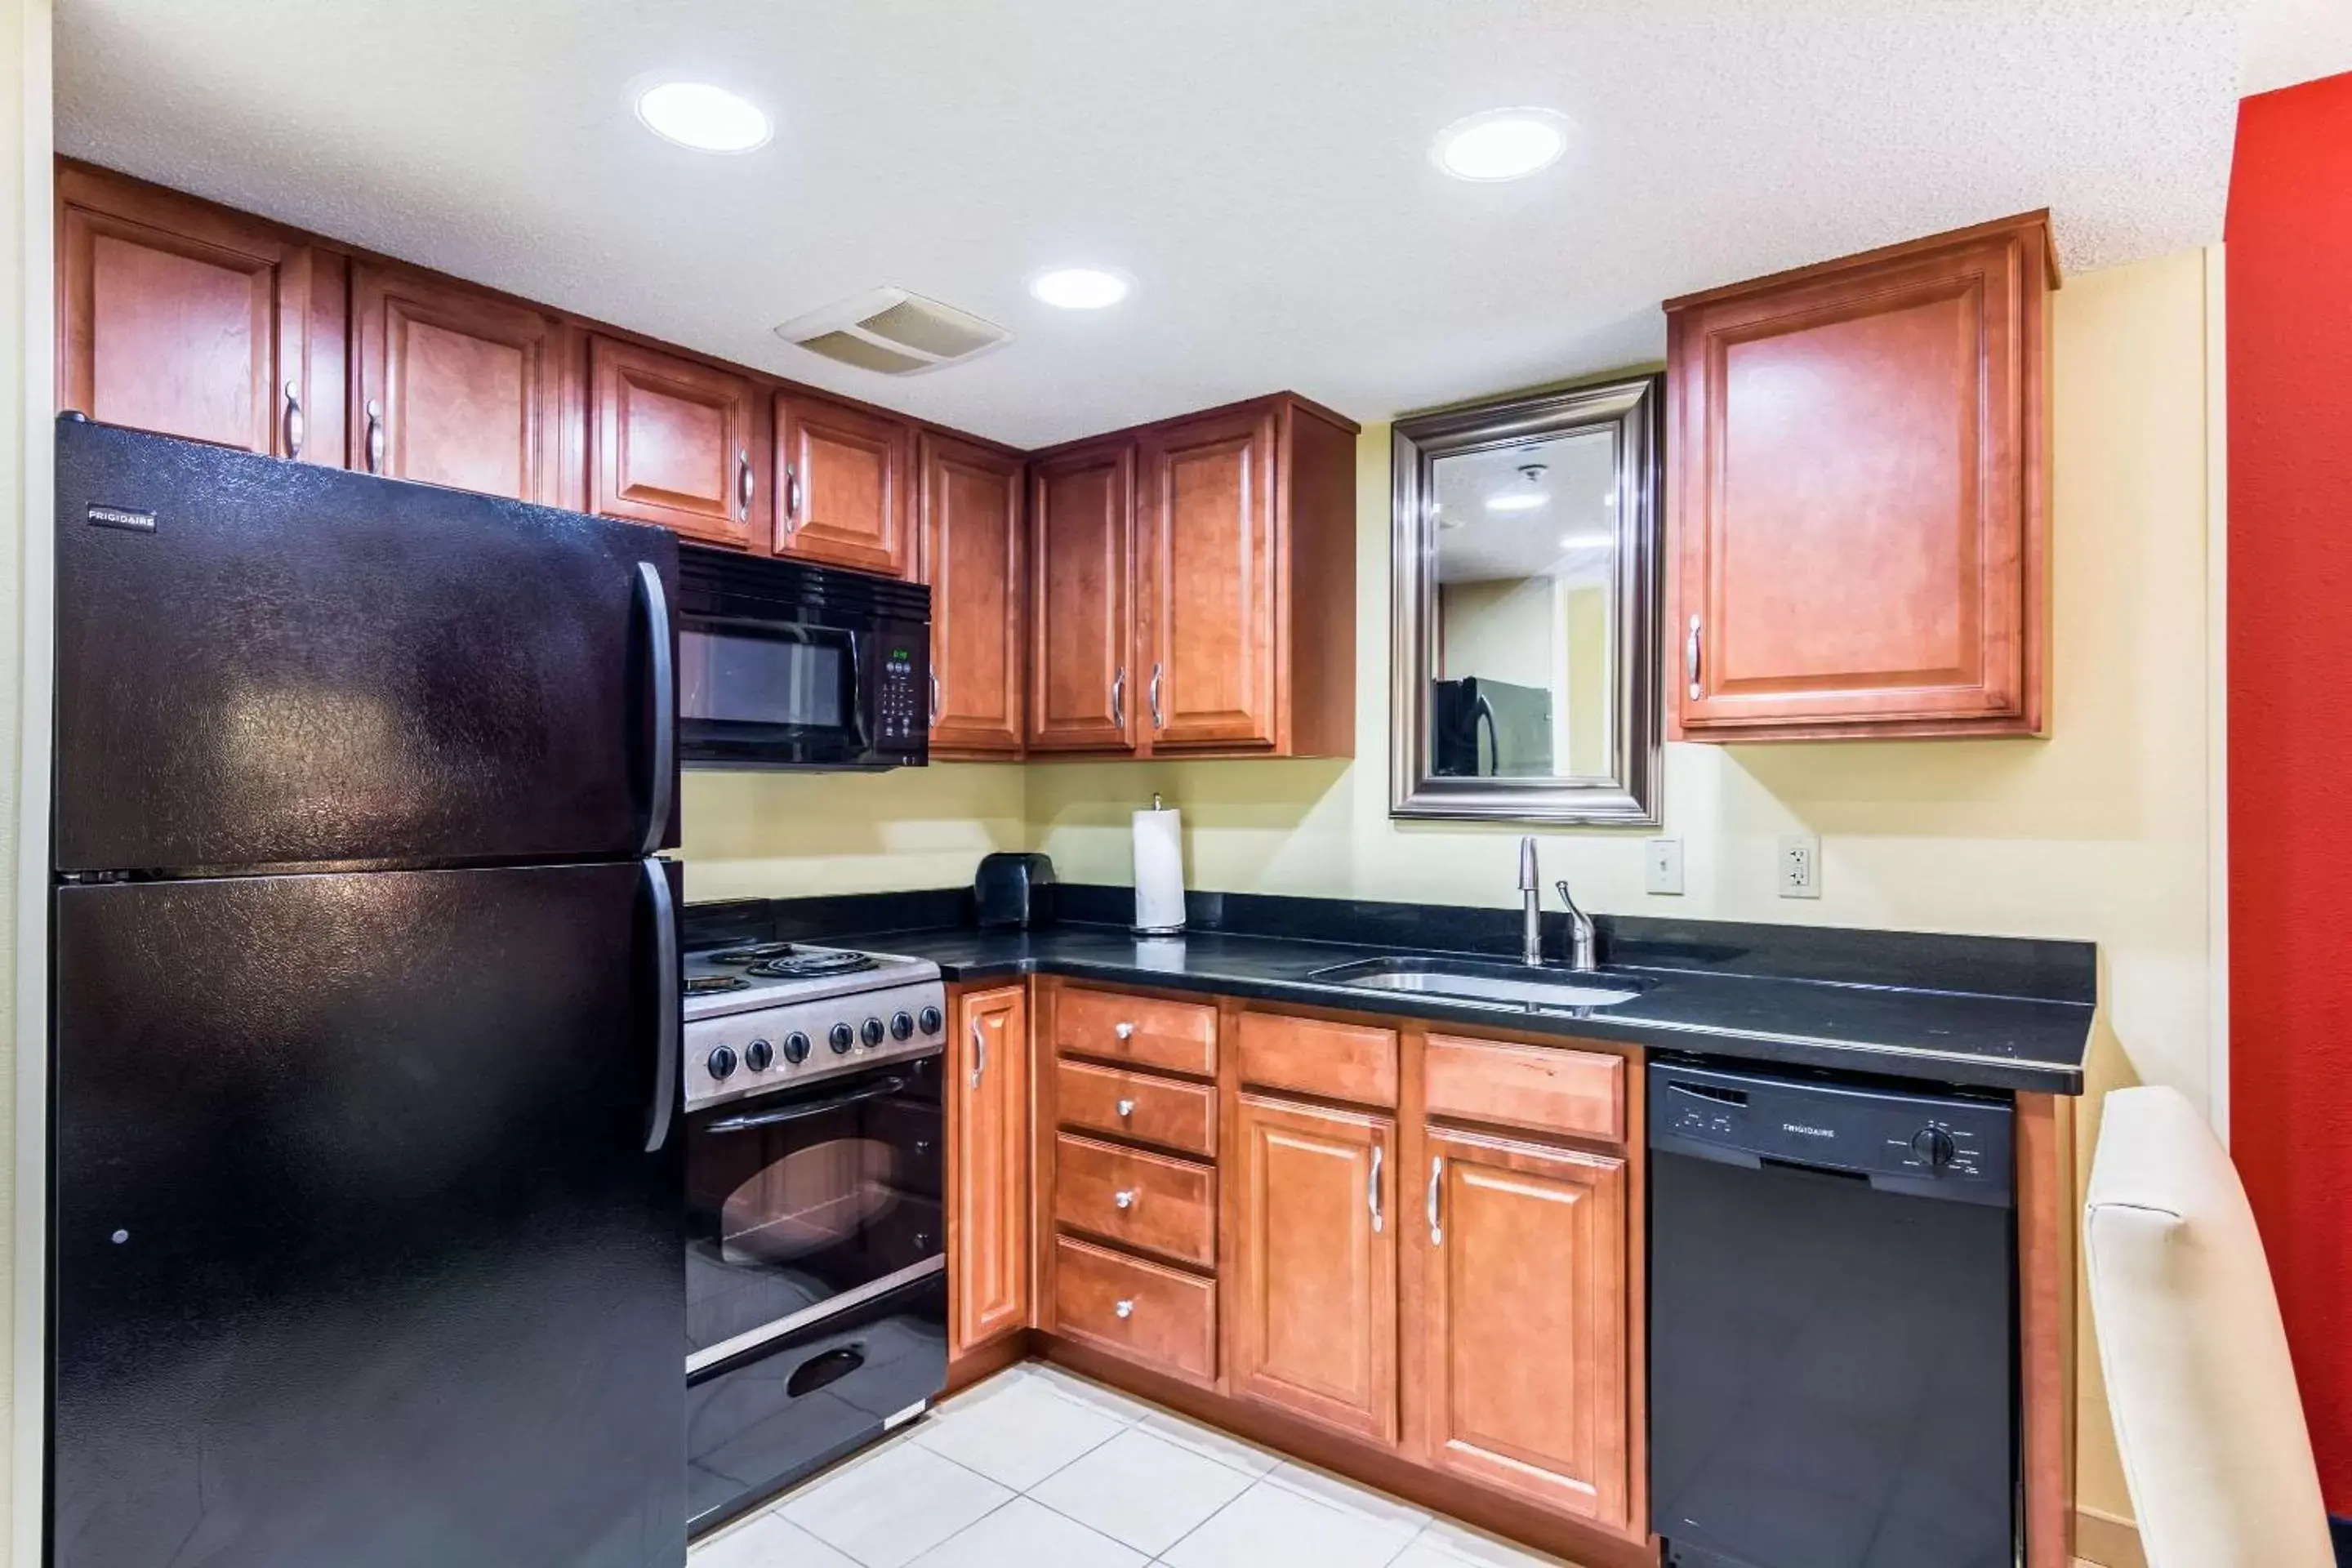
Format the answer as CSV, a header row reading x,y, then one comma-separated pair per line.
x,y
1584,540
706,117
1514,501
1501,144
1078,288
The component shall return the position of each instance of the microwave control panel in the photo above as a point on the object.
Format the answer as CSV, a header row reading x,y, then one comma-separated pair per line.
x,y
902,707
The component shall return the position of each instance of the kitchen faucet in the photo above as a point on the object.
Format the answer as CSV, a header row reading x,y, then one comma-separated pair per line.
x,y
1580,931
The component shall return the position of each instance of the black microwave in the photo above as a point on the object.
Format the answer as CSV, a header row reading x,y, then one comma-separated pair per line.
x,y
781,664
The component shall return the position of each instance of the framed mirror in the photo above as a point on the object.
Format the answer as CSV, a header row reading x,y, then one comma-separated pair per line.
x,y
1527,548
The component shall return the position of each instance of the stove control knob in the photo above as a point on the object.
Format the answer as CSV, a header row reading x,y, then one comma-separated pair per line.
x,y
902,1026
722,1063
841,1039
796,1047
1933,1145
931,1020
872,1031
758,1056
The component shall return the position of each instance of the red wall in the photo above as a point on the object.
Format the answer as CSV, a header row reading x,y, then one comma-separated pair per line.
x,y
2289,267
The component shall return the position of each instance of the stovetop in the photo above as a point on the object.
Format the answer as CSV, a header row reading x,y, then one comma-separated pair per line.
x,y
738,978
762,1016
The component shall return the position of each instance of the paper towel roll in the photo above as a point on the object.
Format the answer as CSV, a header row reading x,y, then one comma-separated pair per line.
x,y
1159,870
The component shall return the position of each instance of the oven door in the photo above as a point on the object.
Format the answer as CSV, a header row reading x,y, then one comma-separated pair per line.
x,y
804,1201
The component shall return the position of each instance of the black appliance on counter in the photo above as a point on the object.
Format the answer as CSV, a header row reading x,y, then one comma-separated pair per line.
x,y
786,665
1014,891
1832,1323
365,1185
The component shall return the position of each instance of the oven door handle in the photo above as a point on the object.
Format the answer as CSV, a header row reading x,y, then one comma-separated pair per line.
x,y
800,1113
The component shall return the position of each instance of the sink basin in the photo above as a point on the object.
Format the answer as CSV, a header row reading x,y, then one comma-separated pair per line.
x,y
1509,986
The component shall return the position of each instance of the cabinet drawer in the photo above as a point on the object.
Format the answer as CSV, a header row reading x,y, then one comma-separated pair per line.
x,y
1174,1115
1144,1311
1341,1061
1548,1088
1149,1201
1178,1036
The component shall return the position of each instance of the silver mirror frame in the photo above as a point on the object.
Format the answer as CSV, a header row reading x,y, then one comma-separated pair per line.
x,y
1634,409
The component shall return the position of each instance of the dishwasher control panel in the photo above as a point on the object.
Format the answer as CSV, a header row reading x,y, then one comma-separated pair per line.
x,y
1933,1144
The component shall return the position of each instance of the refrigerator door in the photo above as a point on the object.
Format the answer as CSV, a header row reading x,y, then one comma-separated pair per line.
x,y
359,1255
273,663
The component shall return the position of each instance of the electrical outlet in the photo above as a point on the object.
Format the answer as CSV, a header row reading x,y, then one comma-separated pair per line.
x,y
1662,865
1800,874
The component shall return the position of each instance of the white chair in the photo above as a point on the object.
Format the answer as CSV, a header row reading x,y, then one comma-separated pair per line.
x,y
2203,1395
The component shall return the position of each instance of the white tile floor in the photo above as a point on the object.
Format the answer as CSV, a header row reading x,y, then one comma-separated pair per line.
x,y
1037,1468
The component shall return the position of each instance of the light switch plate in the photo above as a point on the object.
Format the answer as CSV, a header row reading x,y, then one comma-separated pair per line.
x,y
1799,867
1662,865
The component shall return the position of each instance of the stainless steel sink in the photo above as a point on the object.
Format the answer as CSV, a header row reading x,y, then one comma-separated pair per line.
x,y
1503,985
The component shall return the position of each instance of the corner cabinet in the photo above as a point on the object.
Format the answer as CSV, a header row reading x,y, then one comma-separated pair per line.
x,y
988,1166
1859,495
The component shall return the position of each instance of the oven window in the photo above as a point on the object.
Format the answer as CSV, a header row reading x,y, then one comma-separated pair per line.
x,y
734,679
792,1199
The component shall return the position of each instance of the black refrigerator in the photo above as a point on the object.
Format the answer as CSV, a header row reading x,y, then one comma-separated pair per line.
x,y
366,1184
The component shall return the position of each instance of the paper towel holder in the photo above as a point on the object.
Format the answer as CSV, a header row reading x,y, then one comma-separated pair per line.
x,y
1158,930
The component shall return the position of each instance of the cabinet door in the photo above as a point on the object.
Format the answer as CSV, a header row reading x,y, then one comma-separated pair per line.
x,y
457,386
971,555
1525,1320
1207,521
671,443
176,316
1311,1306
844,485
988,1166
1858,497
1082,631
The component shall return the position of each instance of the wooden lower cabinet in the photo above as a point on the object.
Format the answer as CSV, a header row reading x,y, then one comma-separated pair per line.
x,y
1311,1301
988,1166
1524,1344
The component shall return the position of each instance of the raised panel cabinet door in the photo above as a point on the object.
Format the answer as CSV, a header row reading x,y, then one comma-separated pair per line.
x,y
844,486
670,443
971,556
1524,1319
988,1166
178,317
1858,496
1206,517
1311,1308
1083,696
456,386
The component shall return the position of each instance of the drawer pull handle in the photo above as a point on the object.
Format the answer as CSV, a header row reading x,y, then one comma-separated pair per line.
x,y
1124,1031
1373,1189
1436,1174
1124,1309
1126,1109
1125,1198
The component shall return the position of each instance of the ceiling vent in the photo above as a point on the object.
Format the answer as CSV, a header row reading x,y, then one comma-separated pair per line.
x,y
894,332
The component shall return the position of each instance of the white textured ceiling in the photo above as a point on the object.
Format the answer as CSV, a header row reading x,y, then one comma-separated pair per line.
x,y
2290,41
1259,166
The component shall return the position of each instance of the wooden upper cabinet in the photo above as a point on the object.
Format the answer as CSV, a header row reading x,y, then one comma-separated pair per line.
x,y
971,555
988,1166
671,442
177,316
1311,1294
1082,695
1526,1307
845,484
1206,515
458,386
1860,531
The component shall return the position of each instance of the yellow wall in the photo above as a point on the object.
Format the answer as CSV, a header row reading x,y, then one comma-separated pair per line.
x,y
2098,832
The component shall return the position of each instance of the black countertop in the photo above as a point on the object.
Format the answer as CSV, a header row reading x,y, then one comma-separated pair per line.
x,y
1983,1013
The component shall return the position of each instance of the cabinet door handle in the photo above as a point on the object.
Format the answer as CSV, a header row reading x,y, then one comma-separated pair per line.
x,y
1124,1031
1690,658
1118,700
1124,1309
793,494
1158,723
1373,1189
1126,1109
745,482
1125,1198
374,437
979,1052
1436,1176
935,697
294,421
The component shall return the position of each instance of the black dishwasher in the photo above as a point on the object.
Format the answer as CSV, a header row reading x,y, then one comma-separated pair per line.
x,y
1832,1341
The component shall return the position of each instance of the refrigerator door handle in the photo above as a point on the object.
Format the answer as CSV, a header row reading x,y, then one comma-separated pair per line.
x,y
669,1005
654,602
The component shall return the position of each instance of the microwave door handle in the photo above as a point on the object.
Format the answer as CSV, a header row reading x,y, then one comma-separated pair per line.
x,y
669,1005
803,1111
652,602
